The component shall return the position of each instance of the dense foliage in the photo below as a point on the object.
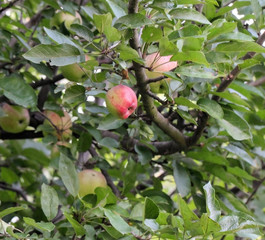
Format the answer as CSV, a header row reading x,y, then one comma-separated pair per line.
x,y
187,164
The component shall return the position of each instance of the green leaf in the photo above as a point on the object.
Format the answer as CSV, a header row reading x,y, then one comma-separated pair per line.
x,y
229,8
84,142
105,196
43,226
127,53
197,71
181,178
110,122
31,153
246,89
58,55
152,34
193,56
112,34
234,200
189,14
10,210
258,13
109,142
212,204
185,102
112,232
59,37
68,174
82,31
208,156
208,225
74,94
134,20
8,175
215,31
232,97
49,201
240,173
186,116
241,153
235,126
18,91
151,210
102,21
167,47
211,107
238,36
79,229
240,47
117,222
191,220
144,154
116,9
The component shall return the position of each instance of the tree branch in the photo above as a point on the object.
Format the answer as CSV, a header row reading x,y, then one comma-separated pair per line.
x,y
255,190
22,135
106,175
202,121
47,81
128,144
257,83
11,4
19,191
148,103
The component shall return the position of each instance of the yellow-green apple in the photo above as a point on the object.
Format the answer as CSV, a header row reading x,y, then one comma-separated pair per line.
x,y
121,101
61,124
15,120
74,72
157,66
67,18
89,180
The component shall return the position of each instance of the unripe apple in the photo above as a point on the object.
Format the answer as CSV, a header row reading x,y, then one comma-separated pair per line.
x,y
61,124
121,101
16,118
158,65
89,180
66,18
74,72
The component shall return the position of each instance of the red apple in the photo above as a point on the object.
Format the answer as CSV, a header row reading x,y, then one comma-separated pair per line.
x,y
89,180
16,118
61,124
158,65
121,101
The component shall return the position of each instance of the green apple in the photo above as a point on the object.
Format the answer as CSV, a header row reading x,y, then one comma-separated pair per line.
x,y
121,101
158,65
16,118
74,72
66,18
61,124
89,180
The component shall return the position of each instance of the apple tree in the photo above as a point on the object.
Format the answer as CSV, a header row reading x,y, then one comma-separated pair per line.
x,y
187,163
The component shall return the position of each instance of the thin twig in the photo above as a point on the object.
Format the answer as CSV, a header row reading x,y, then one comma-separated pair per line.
x,y
156,98
257,83
11,4
106,175
255,190
152,80
19,191
202,121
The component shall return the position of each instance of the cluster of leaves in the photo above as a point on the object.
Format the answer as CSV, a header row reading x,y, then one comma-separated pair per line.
x,y
209,187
